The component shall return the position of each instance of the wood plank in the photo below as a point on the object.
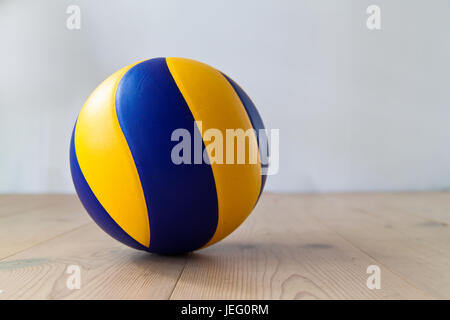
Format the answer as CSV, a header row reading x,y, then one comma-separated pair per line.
x,y
109,270
291,247
412,245
12,204
281,252
433,206
33,225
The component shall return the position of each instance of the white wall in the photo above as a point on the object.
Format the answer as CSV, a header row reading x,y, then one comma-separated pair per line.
x,y
357,109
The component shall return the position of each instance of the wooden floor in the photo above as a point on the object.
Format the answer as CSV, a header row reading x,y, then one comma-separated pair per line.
x,y
291,247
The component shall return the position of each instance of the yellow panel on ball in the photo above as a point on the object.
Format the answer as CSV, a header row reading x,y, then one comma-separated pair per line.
x,y
106,161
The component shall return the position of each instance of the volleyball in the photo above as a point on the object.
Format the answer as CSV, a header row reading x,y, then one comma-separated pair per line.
x,y
146,159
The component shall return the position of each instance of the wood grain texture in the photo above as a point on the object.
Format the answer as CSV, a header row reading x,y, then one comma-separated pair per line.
x,y
405,232
108,269
291,247
282,252
30,220
12,204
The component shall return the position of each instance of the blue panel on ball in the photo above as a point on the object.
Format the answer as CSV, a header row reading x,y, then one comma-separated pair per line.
x,y
93,207
254,116
181,199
